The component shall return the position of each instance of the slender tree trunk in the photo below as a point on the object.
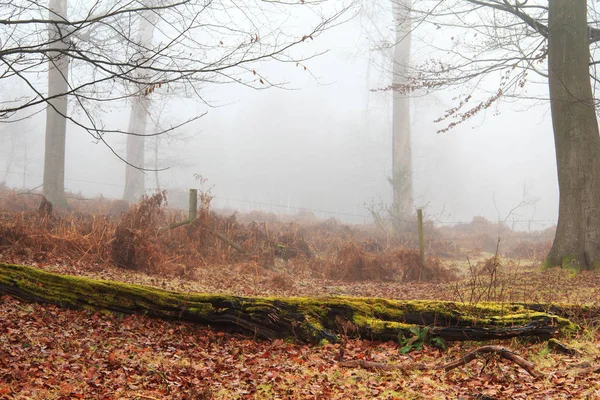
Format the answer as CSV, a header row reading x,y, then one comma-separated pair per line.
x,y
401,148
25,160
56,111
156,143
10,156
577,141
134,177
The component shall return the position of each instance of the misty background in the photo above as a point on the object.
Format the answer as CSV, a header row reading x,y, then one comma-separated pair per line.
x,y
322,143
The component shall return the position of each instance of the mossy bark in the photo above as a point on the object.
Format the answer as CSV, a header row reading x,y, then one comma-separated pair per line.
x,y
308,320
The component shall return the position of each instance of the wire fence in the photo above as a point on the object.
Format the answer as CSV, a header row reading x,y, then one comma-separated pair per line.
x,y
516,228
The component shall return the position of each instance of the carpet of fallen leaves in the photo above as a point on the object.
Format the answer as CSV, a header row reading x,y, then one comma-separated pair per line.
x,y
52,353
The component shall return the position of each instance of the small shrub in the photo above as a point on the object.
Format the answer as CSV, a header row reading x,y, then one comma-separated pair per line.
x,y
135,243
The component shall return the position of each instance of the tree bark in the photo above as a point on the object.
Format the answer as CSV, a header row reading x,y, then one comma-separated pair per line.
x,y
56,110
577,141
138,117
303,319
402,176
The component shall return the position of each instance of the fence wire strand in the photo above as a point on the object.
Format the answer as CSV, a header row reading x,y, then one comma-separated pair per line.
x,y
440,223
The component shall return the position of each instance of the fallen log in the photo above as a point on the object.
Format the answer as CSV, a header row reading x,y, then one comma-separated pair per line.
x,y
308,320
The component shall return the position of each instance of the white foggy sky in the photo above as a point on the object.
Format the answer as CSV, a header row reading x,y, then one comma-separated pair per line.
x,y
320,146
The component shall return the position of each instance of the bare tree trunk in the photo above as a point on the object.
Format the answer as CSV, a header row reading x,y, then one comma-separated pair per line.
x,y
577,141
25,160
401,148
56,111
134,177
156,142
10,156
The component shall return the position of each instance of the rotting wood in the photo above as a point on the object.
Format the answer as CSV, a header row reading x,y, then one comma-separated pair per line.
x,y
308,320
539,329
559,347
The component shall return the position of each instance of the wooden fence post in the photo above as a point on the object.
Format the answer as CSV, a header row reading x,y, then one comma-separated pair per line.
x,y
193,204
421,242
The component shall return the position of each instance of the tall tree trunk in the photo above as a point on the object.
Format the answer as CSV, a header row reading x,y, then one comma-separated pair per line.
x,y
56,111
577,141
10,156
156,145
401,148
134,177
25,160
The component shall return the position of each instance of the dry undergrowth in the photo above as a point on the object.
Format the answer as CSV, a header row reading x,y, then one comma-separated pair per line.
x,y
136,240
105,239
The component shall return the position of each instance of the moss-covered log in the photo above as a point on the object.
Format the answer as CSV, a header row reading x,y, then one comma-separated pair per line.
x,y
304,319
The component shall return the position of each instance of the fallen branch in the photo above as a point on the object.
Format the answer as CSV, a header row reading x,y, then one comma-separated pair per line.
x,y
174,225
502,351
229,241
559,347
217,234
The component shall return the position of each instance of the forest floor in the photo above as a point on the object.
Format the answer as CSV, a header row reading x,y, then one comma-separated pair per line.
x,y
52,353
